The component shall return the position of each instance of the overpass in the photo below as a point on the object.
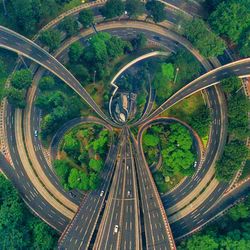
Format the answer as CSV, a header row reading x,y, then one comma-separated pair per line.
x,y
17,43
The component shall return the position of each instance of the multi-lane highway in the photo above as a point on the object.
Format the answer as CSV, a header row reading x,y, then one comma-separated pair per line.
x,y
80,230
148,227
120,225
23,46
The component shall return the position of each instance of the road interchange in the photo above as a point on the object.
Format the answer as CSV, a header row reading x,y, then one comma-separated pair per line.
x,y
221,75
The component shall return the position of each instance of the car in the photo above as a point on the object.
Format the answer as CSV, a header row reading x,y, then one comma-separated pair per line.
x,y
129,193
127,167
36,133
72,194
102,192
157,38
116,228
195,164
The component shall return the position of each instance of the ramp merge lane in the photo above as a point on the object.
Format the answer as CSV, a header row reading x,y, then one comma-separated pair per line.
x,y
23,46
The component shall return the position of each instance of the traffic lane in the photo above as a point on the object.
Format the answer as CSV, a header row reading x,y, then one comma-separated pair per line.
x,y
190,7
226,201
68,235
37,145
205,81
30,191
129,33
128,228
16,42
109,237
194,219
191,182
83,224
156,235
36,203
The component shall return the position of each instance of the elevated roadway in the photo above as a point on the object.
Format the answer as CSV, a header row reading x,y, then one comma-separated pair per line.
x,y
23,46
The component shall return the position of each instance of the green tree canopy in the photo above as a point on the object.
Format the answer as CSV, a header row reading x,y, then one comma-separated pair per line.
x,y
96,165
21,79
134,8
69,25
156,10
75,52
51,38
113,8
86,17
46,83
16,97
231,18
150,140
207,42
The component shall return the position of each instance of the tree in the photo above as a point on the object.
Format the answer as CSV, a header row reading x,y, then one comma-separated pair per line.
x,y
96,165
189,67
234,154
46,83
21,79
162,81
231,18
51,38
40,232
80,72
115,47
74,178
244,44
150,140
62,170
156,10
2,67
71,146
240,211
86,17
69,25
16,97
139,42
204,242
75,52
134,8
113,8
207,42
94,181
231,85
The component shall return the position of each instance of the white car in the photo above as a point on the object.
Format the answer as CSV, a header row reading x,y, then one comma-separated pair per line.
x,y
127,167
129,193
102,192
36,133
116,228
195,164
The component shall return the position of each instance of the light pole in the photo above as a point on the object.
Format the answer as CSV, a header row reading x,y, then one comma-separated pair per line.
x,y
4,7
177,70
94,76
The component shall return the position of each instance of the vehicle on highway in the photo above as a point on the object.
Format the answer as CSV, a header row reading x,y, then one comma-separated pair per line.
x,y
72,194
157,38
116,229
195,164
36,133
102,192
129,193
127,167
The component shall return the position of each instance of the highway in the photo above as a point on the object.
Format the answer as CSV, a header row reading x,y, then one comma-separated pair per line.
x,y
156,232
80,230
180,227
23,46
122,208
239,68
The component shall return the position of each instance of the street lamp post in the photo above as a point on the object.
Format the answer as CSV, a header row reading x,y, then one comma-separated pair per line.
x,y
4,7
177,70
94,76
